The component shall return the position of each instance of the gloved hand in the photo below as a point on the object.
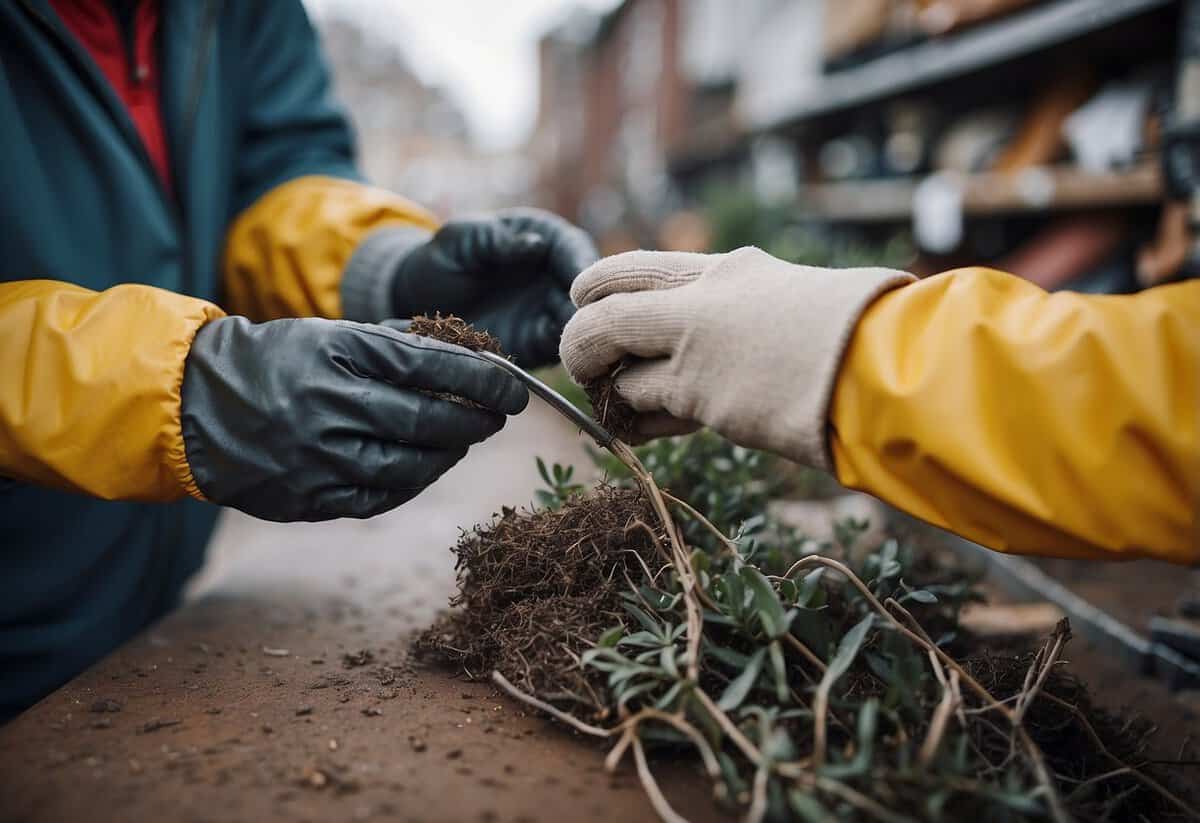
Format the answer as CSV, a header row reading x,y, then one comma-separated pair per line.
x,y
509,274
741,342
315,419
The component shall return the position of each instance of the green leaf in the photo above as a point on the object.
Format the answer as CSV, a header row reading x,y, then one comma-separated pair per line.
x,y
659,600
635,690
541,466
734,593
666,659
779,669
766,601
778,745
727,656
664,703
809,586
868,723
648,622
741,686
642,640
847,650
808,808
889,551
921,596
610,637
812,626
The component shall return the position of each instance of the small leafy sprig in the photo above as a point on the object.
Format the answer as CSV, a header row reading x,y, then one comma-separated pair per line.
x,y
559,488
809,686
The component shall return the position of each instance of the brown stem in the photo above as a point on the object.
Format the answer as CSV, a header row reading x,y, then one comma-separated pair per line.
x,y
1057,811
650,785
501,681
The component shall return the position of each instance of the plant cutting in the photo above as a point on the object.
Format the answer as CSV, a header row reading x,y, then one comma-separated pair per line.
x,y
665,612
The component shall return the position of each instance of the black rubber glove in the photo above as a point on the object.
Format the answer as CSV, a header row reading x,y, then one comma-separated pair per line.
x,y
316,419
509,273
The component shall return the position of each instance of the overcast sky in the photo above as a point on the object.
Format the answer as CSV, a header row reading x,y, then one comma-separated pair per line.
x,y
482,51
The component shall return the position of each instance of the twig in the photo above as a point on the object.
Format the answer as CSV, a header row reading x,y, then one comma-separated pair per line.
x,y
657,800
501,681
613,759
687,507
1100,778
1142,777
860,801
758,795
679,724
1057,811
735,734
937,726
1062,633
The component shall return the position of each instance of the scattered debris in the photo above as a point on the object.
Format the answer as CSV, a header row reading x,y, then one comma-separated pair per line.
x,y
327,681
372,711
454,754
155,724
353,660
417,744
270,652
327,776
304,710
102,706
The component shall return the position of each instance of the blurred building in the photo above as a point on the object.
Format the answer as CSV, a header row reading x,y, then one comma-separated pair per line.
x,y
636,102
1024,133
412,138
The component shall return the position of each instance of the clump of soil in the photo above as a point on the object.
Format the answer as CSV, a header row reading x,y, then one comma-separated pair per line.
x,y
454,330
610,409
537,588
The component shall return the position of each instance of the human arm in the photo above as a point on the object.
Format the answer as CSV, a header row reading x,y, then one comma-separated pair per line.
x,y
136,393
1033,423
312,240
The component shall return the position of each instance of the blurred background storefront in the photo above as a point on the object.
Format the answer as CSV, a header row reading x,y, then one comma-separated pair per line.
x,y
927,134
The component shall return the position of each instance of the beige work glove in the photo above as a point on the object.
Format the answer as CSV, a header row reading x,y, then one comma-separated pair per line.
x,y
741,342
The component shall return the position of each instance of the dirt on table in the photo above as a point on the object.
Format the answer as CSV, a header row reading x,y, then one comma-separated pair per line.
x,y
536,588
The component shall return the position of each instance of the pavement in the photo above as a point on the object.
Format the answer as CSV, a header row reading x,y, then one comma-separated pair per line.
x,y
283,689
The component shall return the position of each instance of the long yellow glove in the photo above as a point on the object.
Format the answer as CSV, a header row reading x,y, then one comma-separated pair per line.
x,y
1060,424
287,253
89,387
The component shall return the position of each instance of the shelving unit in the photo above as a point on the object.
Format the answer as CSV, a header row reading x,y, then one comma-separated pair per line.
x,y
990,193
985,46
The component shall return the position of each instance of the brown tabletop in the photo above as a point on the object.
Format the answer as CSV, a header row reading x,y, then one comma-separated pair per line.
x,y
282,689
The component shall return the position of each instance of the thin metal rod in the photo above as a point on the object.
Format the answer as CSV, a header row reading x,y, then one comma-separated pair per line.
x,y
564,406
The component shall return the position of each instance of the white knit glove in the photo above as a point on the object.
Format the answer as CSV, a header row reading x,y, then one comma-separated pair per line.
x,y
741,342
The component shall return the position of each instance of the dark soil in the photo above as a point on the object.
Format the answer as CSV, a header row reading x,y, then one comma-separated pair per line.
x,y
611,409
536,589
455,330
